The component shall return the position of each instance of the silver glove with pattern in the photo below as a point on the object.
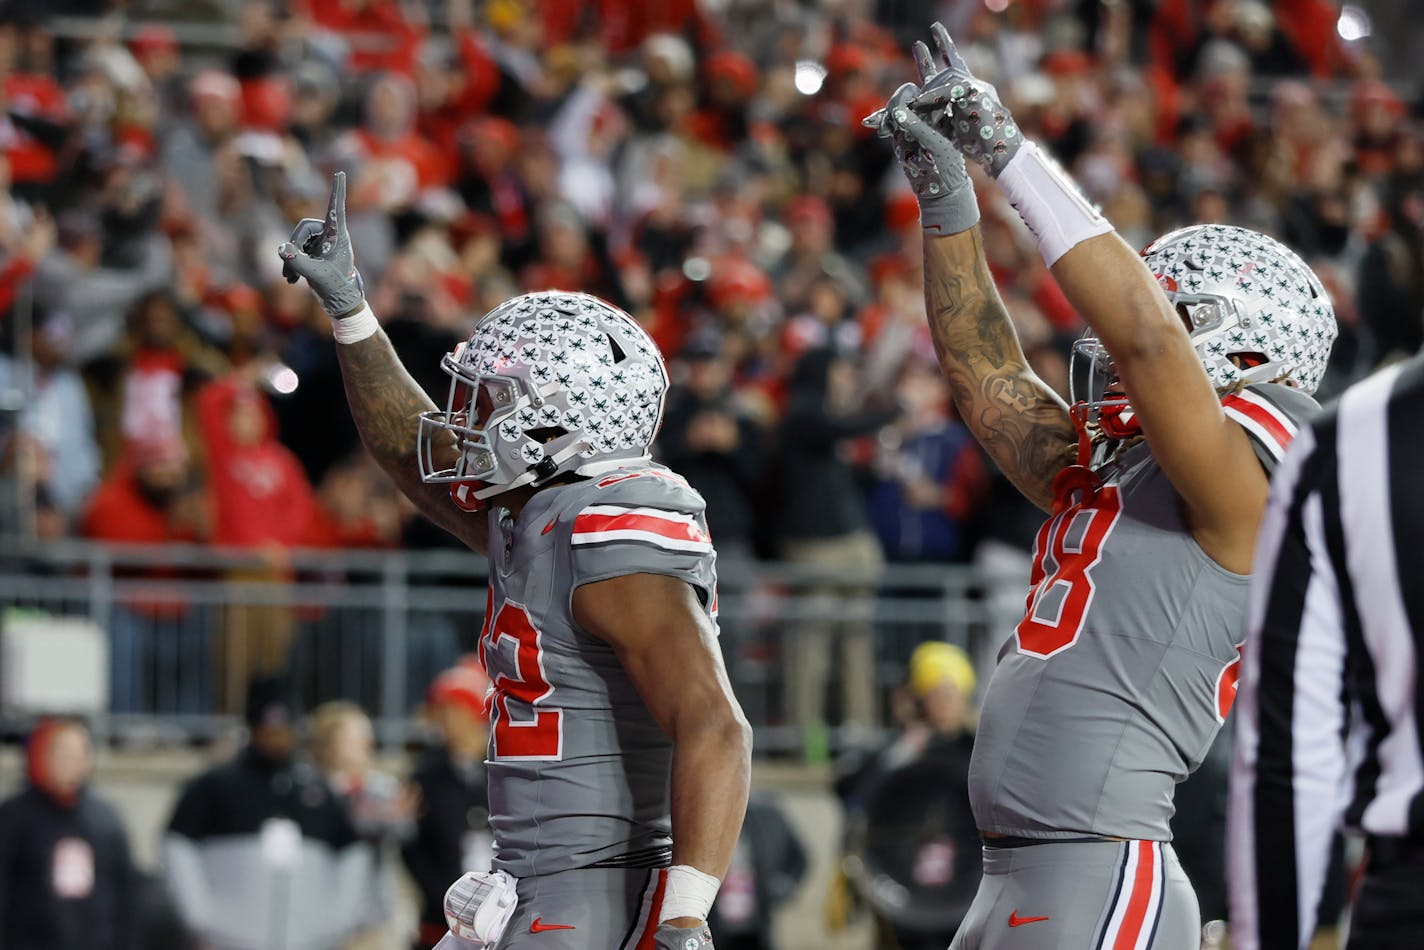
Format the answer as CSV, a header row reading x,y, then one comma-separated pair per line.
x,y
321,252
931,163
683,938
964,106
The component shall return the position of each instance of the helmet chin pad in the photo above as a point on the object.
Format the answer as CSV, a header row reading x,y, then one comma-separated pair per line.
x,y
465,495
1116,418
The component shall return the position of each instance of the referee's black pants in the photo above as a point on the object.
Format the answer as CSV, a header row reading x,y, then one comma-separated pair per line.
x,y
1389,910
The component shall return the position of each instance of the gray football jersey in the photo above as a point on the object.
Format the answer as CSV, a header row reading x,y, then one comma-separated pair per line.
x,y
1124,667
578,767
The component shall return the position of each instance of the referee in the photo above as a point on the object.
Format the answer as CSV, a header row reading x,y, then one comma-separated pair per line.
x,y
1329,716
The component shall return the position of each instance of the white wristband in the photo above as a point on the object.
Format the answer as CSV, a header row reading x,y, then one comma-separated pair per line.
x,y
687,893
356,327
1057,213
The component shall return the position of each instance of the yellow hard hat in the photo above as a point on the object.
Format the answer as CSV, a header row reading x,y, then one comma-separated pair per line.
x,y
935,662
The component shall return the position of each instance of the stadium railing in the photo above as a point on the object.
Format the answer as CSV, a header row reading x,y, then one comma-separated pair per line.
x,y
158,641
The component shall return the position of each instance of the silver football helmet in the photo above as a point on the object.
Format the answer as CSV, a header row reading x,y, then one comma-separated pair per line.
x,y
1256,313
549,383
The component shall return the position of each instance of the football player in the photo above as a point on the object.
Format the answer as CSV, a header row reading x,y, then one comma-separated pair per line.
x,y
618,757
1201,357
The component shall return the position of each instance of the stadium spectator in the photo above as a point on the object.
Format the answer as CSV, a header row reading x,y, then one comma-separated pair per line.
x,y
145,384
452,826
75,280
55,413
824,525
767,867
160,649
262,501
935,707
66,878
930,478
711,439
259,852
381,809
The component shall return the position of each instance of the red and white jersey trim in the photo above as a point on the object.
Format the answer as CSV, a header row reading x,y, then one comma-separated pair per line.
x,y
1130,920
1262,419
671,530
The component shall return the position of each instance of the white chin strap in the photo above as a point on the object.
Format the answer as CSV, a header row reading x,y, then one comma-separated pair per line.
x,y
529,476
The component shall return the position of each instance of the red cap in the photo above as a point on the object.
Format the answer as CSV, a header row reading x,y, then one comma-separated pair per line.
x,y
733,68
847,58
464,684
266,103
497,129
735,280
150,39
808,208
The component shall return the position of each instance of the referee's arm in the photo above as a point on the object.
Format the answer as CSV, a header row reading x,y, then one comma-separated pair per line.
x,y
1289,747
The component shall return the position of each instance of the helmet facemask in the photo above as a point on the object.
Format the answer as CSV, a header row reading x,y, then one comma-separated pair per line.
x,y
1099,404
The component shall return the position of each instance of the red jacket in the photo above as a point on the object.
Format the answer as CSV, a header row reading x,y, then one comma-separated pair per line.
x,y
260,492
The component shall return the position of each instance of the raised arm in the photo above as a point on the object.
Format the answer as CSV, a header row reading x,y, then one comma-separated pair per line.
x,y
1175,402
385,401
1198,447
668,645
1020,421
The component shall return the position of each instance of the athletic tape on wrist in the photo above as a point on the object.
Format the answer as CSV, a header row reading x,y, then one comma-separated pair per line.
x,y
687,893
356,327
1052,206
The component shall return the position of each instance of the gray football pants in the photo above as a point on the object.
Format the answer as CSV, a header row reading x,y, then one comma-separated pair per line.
x,y
1082,895
587,909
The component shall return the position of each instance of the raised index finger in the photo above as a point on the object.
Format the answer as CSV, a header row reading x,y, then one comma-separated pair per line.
x,y
947,48
336,210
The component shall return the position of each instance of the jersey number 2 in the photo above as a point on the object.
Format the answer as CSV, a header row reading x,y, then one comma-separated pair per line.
x,y
1064,553
541,737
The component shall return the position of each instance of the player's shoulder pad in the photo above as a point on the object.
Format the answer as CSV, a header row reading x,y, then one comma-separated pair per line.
x,y
1271,414
648,505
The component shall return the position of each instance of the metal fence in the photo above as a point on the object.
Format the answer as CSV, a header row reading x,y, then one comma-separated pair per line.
x,y
184,626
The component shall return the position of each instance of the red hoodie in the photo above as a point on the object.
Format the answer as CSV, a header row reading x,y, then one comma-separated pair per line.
x,y
260,492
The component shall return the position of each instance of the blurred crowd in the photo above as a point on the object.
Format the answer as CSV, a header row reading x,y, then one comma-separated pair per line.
x,y
701,165
300,839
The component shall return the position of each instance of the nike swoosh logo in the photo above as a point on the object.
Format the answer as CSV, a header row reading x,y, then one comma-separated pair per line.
x,y
550,526
538,926
1016,921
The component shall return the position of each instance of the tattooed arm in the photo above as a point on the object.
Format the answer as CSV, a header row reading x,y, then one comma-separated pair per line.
x,y
385,402
1017,418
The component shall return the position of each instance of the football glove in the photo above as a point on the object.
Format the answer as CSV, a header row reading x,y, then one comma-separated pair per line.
x,y
321,252
963,106
667,937
931,162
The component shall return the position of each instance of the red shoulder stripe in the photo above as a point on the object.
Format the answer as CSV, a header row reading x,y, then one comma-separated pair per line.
x,y
1262,419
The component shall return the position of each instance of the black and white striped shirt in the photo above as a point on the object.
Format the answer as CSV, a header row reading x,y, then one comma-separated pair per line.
x,y
1329,713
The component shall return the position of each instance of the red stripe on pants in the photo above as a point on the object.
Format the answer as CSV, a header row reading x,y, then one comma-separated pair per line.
x,y
646,941
1142,886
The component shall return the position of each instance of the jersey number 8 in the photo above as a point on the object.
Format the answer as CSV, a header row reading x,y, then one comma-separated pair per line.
x,y
1064,553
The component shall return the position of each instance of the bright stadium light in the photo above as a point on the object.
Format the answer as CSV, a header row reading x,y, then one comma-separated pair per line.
x,y
283,379
697,269
810,76
1354,23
